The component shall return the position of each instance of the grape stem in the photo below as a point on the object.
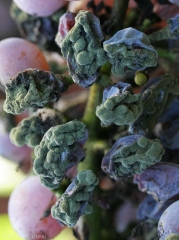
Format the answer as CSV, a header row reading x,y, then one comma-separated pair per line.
x,y
116,21
89,116
92,161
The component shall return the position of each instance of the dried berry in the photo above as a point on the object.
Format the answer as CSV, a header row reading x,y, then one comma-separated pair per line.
x,y
130,155
157,95
60,149
82,49
31,130
119,105
151,209
32,88
161,181
130,50
75,202
171,31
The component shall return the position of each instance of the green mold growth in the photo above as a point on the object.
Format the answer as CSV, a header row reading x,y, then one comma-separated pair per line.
x,y
171,31
31,130
60,149
33,88
119,105
131,155
82,49
156,97
75,202
130,50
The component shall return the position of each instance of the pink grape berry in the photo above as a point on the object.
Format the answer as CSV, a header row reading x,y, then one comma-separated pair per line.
x,y
40,8
67,21
17,54
169,222
29,210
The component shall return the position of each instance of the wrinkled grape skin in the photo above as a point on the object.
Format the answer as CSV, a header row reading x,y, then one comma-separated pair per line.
x,y
40,8
17,54
26,208
169,221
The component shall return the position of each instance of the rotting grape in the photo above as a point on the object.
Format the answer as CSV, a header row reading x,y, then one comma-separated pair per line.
x,y
29,210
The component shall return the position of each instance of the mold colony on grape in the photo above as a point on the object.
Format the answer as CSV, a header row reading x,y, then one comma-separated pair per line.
x,y
60,146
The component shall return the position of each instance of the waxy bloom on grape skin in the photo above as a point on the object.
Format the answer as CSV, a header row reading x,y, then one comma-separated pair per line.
x,y
18,54
26,213
149,208
38,30
168,225
41,7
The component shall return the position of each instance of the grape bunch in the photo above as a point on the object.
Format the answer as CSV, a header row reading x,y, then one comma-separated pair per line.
x,y
92,102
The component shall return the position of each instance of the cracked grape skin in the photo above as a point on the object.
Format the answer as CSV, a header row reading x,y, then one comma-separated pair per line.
x,y
130,50
130,155
60,149
75,202
157,96
119,105
82,49
32,88
31,130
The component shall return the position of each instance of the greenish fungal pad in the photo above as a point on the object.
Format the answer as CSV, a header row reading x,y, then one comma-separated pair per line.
x,y
157,96
82,49
60,149
119,105
131,155
32,88
31,130
75,202
130,50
